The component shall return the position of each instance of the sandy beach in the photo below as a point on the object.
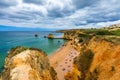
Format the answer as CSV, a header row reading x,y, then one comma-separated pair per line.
x,y
62,59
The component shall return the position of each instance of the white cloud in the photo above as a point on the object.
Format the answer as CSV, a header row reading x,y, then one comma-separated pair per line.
x,y
59,13
29,8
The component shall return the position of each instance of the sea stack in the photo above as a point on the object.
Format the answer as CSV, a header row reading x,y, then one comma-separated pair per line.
x,y
50,36
45,36
36,35
27,64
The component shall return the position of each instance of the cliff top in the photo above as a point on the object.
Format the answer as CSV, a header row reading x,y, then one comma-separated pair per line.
x,y
27,64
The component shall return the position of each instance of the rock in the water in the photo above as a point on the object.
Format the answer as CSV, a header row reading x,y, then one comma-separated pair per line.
x,y
45,36
36,35
50,36
27,64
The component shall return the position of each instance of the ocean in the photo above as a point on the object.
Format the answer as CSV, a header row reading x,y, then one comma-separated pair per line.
x,y
10,39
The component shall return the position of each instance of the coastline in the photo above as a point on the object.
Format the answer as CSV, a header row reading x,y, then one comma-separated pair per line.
x,y
54,57
62,59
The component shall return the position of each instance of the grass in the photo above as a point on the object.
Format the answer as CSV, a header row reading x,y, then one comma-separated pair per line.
x,y
113,39
116,32
109,35
102,32
97,31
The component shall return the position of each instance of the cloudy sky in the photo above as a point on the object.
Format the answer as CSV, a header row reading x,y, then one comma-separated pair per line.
x,y
59,14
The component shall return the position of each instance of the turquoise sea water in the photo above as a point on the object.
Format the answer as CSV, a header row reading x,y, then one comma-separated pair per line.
x,y
9,39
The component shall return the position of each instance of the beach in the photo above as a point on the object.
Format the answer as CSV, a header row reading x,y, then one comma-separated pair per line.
x,y
62,59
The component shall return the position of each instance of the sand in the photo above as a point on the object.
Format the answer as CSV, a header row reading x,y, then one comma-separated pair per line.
x,y
62,59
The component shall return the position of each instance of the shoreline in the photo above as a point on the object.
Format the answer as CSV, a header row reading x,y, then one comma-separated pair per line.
x,y
51,54
62,59
55,53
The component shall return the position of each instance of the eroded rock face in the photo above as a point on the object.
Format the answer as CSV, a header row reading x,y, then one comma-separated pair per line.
x,y
98,60
27,64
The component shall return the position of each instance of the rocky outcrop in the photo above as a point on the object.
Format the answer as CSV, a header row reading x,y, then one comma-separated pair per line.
x,y
99,59
69,35
50,36
27,64
36,35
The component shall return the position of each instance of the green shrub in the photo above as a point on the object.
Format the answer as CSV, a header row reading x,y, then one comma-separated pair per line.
x,y
80,40
98,32
103,32
15,51
21,49
83,61
83,35
112,68
116,32
53,73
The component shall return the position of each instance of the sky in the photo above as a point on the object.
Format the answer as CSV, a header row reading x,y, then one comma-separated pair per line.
x,y
58,14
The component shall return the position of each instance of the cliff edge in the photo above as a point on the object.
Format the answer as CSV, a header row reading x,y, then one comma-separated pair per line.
x,y
98,60
27,64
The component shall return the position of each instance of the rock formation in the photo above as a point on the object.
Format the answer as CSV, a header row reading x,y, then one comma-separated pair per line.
x,y
50,36
36,35
98,60
27,64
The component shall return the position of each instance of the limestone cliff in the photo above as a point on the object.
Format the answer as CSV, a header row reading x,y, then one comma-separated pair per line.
x,y
99,59
27,64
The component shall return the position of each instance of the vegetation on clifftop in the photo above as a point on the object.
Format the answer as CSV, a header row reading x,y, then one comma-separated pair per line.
x,y
99,54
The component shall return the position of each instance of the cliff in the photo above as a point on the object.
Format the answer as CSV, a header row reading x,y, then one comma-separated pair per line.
x,y
27,64
99,53
98,60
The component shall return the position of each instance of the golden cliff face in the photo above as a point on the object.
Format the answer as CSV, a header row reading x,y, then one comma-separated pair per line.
x,y
106,59
98,60
27,64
